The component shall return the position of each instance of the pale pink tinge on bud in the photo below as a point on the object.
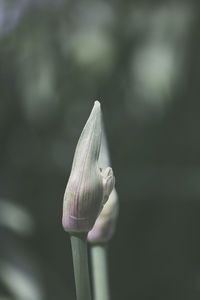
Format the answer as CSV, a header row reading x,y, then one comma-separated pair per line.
x,y
105,224
84,193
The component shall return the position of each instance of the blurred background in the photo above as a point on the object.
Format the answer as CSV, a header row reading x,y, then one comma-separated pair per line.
x,y
141,60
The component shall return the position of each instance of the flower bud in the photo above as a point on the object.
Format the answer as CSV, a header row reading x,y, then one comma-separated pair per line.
x,y
108,183
105,224
87,188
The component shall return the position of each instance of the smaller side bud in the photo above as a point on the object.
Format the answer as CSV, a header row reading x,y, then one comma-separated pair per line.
x,y
108,183
105,224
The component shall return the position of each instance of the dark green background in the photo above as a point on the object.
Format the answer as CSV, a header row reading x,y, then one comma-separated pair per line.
x,y
140,59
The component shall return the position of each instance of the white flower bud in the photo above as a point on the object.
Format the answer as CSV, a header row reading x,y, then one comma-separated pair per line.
x,y
108,183
105,224
87,187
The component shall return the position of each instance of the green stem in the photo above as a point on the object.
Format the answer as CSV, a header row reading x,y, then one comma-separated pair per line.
x,y
100,272
80,262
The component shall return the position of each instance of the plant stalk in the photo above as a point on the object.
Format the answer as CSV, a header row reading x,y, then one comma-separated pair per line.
x,y
100,272
80,262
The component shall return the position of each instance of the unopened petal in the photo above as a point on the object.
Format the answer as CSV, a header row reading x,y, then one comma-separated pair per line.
x,y
105,224
108,183
84,191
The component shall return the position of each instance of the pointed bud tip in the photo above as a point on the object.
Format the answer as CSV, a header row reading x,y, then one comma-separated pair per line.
x,y
96,107
97,103
95,113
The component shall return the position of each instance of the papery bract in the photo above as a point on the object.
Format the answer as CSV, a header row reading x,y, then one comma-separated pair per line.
x,y
85,192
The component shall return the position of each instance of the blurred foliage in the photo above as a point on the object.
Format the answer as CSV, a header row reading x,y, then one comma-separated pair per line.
x,y
141,60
